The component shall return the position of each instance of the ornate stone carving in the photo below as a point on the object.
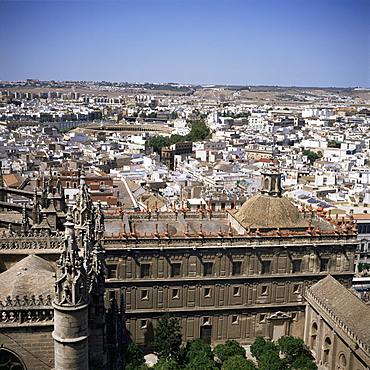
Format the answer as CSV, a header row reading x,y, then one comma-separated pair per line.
x,y
70,286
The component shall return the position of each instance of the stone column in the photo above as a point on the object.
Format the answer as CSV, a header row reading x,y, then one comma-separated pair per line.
x,y
71,335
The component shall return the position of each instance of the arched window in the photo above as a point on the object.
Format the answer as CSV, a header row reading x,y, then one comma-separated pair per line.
x,y
9,360
327,347
342,361
313,335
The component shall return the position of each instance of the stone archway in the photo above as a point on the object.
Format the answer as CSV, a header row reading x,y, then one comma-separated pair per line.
x,y
10,361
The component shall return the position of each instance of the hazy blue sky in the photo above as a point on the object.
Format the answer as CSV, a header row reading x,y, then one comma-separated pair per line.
x,y
240,42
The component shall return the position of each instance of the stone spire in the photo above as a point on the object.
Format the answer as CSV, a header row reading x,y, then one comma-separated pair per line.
x,y
2,184
25,222
71,287
98,221
71,315
83,209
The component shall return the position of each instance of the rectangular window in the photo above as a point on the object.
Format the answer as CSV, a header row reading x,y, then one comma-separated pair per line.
x,y
175,293
266,267
324,264
234,319
262,317
236,291
112,271
143,324
175,269
207,292
264,290
208,267
237,268
145,270
297,265
144,295
296,288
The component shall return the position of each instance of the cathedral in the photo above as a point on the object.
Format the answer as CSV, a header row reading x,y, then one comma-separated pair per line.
x,y
73,294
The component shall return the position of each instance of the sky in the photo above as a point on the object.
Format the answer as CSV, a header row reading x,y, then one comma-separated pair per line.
x,y
323,43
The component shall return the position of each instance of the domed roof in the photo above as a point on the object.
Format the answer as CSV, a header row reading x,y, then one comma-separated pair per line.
x,y
267,212
268,209
31,275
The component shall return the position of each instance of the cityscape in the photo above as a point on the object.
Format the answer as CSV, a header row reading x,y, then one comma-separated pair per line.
x,y
184,185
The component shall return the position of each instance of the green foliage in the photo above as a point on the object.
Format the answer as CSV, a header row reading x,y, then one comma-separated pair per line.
x,y
271,360
363,266
167,337
333,144
140,367
197,347
157,142
229,349
134,357
288,354
291,347
201,362
261,346
312,156
162,364
199,131
238,362
303,363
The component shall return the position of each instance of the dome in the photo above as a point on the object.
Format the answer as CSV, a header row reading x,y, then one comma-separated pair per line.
x,y
268,209
31,276
267,212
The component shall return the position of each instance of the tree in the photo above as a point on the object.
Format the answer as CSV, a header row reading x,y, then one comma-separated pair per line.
x,y
162,364
134,357
229,349
291,347
201,362
360,267
288,354
271,360
303,363
167,337
238,362
312,156
196,347
260,346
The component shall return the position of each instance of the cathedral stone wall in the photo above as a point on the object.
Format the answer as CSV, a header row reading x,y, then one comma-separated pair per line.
x,y
33,345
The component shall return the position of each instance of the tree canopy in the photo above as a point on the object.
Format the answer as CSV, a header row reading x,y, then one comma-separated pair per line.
x,y
289,353
229,349
312,156
201,362
238,362
134,357
199,131
167,337
197,347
